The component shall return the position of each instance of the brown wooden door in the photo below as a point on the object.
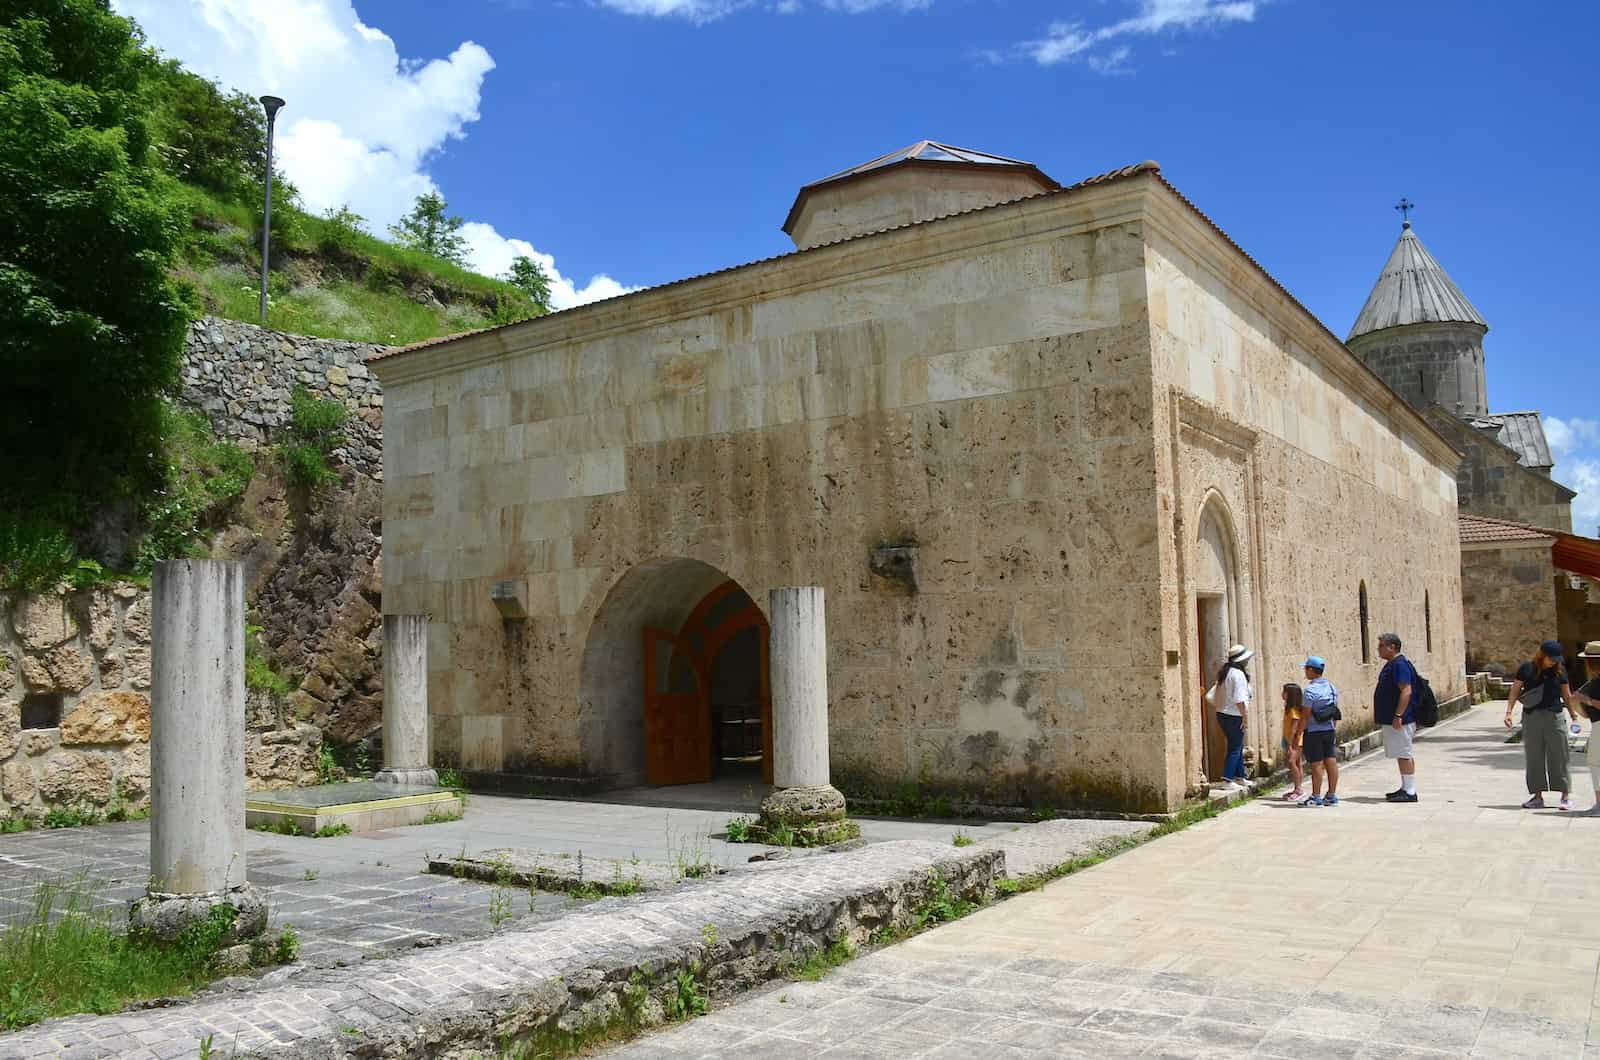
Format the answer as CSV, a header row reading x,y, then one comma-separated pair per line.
x,y
677,718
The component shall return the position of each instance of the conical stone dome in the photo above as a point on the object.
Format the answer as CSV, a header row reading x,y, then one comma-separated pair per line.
x,y
1421,334
1413,289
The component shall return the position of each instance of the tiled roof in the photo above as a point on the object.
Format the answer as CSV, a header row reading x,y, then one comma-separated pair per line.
x,y
1412,289
1477,529
1522,432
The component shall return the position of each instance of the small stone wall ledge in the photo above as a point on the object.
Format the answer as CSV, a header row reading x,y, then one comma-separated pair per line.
x,y
452,1002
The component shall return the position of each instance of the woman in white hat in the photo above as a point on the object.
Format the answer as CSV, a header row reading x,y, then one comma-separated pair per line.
x,y
1588,697
1233,696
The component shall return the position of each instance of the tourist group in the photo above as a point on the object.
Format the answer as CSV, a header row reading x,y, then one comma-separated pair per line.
x,y
1401,702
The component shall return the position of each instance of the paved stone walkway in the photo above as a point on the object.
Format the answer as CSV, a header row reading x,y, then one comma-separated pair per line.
x,y
357,896
1460,925
414,1003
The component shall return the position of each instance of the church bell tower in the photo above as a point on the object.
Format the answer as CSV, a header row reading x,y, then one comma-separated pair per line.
x,y
1419,332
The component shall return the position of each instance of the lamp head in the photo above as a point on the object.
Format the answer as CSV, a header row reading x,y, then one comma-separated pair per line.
x,y
271,103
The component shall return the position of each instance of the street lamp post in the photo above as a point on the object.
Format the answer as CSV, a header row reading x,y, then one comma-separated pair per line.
x,y
271,105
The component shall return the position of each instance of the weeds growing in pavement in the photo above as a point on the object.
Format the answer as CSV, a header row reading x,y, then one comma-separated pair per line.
x,y
823,961
737,830
68,954
961,839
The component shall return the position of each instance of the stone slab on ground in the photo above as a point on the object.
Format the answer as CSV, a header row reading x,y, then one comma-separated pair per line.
x,y
1452,927
1040,847
547,871
454,1001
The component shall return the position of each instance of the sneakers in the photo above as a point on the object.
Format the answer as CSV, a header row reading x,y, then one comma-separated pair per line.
x,y
1593,811
1405,796
1294,796
1312,800
1331,800
1564,804
1535,803
1395,794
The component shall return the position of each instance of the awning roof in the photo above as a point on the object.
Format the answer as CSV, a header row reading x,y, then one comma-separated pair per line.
x,y
1570,552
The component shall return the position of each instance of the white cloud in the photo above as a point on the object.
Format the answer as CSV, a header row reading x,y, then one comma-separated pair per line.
x,y
1584,477
361,122
1111,64
1071,41
703,11
491,253
693,10
1565,436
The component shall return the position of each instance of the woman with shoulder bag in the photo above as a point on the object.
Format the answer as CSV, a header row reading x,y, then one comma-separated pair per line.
x,y
1231,697
1541,688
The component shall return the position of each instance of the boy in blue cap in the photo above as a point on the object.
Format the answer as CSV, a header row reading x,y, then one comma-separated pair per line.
x,y
1321,753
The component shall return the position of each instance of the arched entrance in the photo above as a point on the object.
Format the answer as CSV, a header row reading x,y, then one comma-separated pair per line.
x,y
1216,590
675,679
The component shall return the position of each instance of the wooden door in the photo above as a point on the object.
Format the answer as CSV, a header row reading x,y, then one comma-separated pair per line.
x,y
677,718
1211,622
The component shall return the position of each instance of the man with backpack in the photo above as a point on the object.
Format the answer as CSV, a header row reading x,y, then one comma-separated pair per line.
x,y
1392,709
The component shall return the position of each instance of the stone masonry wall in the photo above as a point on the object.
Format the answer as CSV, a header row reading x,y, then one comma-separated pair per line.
x,y
241,376
93,650
1323,490
1509,601
1430,364
313,587
1491,482
988,403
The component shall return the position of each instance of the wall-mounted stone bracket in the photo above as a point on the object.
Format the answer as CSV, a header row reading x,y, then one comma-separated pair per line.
x,y
509,600
896,564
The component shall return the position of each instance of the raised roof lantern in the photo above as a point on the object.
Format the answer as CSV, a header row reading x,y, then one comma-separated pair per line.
x,y
916,183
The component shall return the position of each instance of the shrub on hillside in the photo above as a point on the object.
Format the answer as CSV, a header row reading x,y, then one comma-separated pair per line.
x,y
316,427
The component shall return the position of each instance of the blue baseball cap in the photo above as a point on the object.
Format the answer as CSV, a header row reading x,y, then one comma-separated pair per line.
x,y
1315,662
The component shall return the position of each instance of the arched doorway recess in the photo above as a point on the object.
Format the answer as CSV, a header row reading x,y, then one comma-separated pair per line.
x,y
675,684
1216,617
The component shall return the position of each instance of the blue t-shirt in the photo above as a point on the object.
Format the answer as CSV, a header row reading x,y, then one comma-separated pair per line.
x,y
1319,692
1397,673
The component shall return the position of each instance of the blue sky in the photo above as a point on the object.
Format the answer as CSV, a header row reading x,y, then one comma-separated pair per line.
x,y
632,142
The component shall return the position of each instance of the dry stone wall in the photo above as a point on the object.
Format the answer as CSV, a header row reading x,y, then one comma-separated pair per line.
x,y
89,652
242,376
313,587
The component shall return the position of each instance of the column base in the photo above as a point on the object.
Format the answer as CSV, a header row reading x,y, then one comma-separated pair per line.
x,y
166,916
425,777
812,816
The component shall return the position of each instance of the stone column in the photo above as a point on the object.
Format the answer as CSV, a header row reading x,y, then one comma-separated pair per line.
x,y
405,702
805,805
197,855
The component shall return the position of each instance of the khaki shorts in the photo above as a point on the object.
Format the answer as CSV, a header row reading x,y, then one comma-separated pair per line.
x,y
1397,742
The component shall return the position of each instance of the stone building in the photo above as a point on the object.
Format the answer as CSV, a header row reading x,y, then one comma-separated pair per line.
x,y
1421,334
1048,449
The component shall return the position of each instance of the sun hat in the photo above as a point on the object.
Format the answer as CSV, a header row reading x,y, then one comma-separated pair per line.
x,y
1314,662
1240,654
1552,650
1590,650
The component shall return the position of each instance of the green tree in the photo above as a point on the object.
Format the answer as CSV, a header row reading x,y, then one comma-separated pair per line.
x,y
430,229
91,326
529,276
209,138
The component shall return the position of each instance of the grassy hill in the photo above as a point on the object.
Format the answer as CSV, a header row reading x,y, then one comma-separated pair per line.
x,y
332,280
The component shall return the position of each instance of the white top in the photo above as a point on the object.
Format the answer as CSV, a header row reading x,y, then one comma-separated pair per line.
x,y
1235,690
